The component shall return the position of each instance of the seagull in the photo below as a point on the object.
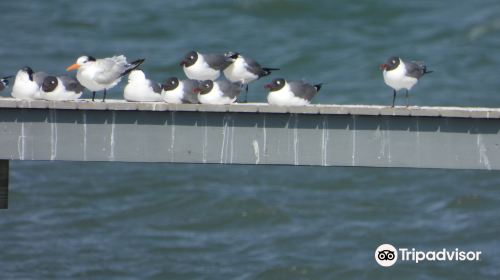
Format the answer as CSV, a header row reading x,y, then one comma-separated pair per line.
x,y
198,66
27,84
62,88
402,75
4,82
294,93
244,70
217,92
102,74
140,89
180,91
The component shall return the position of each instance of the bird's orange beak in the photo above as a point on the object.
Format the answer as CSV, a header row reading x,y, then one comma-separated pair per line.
x,y
383,66
73,67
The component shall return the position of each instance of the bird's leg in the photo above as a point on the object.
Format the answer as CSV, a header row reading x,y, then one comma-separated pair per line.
x,y
93,96
407,98
246,93
104,97
394,98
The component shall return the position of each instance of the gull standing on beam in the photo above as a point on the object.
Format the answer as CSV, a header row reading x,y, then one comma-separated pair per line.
x,y
244,70
201,67
402,75
102,74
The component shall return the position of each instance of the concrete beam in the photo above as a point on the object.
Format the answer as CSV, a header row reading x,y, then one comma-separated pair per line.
x,y
323,135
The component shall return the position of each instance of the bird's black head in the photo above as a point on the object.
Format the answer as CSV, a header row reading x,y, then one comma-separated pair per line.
x,y
189,59
170,84
204,87
29,71
276,84
391,64
49,84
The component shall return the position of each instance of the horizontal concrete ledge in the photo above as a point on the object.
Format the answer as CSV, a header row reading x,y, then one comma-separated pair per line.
x,y
321,135
322,109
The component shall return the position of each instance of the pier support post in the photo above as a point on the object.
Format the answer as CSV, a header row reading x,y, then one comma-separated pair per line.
x,y
4,184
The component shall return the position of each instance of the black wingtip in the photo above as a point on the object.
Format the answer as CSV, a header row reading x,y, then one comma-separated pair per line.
x,y
318,87
137,62
133,65
428,71
267,71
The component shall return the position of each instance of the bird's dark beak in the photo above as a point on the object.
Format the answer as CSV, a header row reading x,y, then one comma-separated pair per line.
x,y
383,66
196,90
8,77
268,86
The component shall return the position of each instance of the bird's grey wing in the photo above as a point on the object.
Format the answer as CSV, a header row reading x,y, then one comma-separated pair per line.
x,y
217,61
38,77
155,86
303,90
415,69
189,95
110,69
229,89
254,67
71,84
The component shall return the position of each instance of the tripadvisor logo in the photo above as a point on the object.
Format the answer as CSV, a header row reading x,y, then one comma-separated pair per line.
x,y
387,255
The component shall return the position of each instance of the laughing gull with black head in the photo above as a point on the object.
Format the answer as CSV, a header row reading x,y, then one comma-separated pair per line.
x,y
102,74
61,88
402,75
4,82
140,89
294,93
198,66
27,84
218,92
180,91
244,70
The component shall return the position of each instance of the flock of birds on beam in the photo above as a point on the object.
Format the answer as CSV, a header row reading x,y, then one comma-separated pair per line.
x,y
201,86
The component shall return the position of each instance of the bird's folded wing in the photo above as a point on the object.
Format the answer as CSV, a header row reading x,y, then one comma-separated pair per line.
x,y
216,61
302,90
71,84
110,69
415,69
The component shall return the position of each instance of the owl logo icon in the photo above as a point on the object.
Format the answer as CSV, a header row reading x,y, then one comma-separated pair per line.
x,y
386,255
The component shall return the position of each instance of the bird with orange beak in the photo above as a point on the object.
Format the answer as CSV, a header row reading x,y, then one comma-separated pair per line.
x,y
102,74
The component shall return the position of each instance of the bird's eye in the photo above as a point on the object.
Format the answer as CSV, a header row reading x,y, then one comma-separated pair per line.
x,y
278,82
394,61
173,82
191,57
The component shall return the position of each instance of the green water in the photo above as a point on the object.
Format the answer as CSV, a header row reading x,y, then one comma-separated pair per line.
x,y
166,221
